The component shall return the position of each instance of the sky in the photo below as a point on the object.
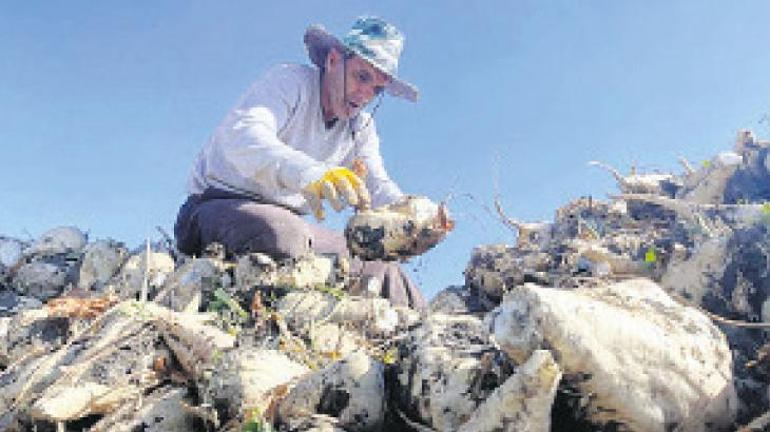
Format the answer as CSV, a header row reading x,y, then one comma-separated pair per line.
x,y
104,105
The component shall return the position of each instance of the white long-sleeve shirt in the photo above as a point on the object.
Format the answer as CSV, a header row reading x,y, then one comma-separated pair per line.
x,y
275,142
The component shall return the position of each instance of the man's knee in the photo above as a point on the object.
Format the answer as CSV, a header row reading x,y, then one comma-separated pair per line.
x,y
287,236
186,232
267,229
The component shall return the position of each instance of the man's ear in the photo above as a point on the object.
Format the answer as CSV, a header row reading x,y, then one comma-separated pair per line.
x,y
333,57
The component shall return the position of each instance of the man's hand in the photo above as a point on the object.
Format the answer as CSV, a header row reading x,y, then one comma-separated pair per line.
x,y
341,187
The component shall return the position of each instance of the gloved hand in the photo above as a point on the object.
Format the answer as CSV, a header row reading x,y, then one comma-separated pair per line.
x,y
336,185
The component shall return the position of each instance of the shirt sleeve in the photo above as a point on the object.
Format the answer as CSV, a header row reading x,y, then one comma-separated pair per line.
x,y
250,137
383,190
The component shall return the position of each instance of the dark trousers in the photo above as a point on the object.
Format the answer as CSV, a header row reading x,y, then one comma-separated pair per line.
x,y
243,224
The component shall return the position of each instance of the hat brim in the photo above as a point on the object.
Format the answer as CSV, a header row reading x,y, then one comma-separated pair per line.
x,y
318,42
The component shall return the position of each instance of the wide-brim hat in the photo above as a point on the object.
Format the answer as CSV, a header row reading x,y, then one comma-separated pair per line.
x,y
372,39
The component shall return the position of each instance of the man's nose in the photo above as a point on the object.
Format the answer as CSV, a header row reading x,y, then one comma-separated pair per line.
x,y
367,93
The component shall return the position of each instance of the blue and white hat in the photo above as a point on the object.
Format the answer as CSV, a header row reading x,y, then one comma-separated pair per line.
x,y
374,40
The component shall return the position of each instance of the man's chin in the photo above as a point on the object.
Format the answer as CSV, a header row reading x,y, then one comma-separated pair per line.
x,y
349,114
356,111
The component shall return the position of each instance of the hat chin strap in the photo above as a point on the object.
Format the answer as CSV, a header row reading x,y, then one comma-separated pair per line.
x,y
344,104
345,81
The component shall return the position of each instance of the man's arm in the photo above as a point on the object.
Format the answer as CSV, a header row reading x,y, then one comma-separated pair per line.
x,y
249,138
249,143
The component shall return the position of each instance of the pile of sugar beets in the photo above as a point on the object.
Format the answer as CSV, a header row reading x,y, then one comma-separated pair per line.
x,y
644,312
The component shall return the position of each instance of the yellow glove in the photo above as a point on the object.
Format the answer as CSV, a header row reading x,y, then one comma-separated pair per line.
x,y
336,185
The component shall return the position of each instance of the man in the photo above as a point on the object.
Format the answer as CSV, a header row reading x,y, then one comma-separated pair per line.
x,y
290,144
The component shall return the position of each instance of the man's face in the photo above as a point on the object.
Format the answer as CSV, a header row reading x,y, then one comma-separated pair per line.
x,y
361,82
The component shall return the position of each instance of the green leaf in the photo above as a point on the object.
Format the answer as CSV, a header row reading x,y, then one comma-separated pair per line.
x,y
766,209
650,256
335,292
225,298
252,426
390,356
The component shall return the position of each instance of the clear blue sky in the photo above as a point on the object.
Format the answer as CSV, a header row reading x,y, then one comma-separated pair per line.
x,y
103,105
